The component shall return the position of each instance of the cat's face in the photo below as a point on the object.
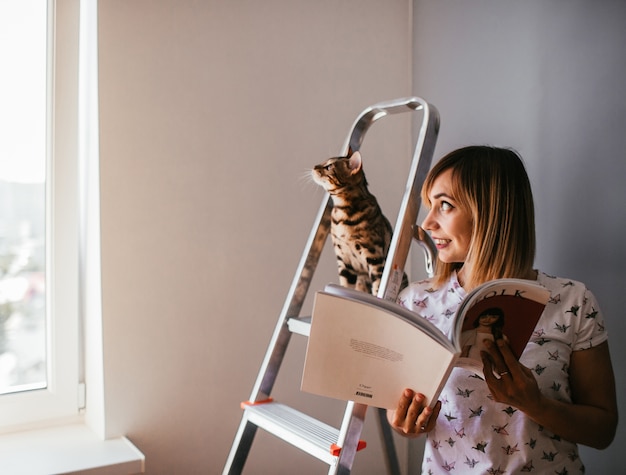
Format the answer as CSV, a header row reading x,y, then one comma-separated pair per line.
x,y
338,172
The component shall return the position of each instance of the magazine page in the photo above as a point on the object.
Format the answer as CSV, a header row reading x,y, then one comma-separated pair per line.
x,y
369,354
505,308
426,326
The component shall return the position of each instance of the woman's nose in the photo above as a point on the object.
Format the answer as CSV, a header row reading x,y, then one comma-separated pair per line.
x,y
429,223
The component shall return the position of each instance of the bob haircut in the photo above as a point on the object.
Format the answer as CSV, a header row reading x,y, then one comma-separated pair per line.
x,y
492,185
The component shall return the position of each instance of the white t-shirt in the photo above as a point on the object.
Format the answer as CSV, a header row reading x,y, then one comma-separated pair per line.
x,y
473,433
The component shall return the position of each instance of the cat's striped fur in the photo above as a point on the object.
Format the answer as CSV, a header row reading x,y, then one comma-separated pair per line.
x,y
360,232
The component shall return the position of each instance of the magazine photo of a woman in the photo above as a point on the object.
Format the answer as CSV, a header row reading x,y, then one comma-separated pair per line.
x,y
487,326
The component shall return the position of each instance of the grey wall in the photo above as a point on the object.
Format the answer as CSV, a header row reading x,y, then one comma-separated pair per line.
x,y
211,112
549,79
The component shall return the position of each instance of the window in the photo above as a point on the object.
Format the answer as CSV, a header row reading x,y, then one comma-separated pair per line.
x,y
22,197
38,216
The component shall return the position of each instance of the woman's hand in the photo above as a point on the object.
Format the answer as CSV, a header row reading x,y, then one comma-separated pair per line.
x,y
413,417
591,417
514,383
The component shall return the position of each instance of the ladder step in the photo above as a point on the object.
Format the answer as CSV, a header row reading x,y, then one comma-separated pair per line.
x,y
301,430
300,325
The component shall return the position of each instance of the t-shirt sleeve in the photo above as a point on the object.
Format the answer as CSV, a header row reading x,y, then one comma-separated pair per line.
x,y
591,327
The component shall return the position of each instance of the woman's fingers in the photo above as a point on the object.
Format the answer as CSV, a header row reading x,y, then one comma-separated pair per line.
x,y
412,416
428,417
411,424
510,364
499,359
403,407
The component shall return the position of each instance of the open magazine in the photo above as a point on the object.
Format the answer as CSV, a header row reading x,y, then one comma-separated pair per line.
x,y
366,349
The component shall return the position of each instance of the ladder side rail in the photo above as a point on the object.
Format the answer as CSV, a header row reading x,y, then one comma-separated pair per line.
x,y
409,209
277,347
402,238
349,435
240,448
401,243
293,303
389,447
354,414
352,424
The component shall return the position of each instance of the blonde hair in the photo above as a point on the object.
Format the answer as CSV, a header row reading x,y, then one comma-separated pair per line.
x,y
492,185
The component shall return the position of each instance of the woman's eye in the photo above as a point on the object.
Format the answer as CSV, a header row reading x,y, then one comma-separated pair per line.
x,y
445,206
327,167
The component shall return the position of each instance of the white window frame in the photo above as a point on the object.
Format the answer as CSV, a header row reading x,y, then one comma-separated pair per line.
x,y
55,435
62,398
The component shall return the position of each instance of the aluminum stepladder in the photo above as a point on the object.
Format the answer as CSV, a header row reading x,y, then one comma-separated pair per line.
x,y
338,447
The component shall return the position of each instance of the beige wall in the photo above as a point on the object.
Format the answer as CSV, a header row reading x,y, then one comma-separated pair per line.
x,y
210,113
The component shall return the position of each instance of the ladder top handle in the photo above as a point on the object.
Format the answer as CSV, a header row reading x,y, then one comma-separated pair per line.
x,y
377,111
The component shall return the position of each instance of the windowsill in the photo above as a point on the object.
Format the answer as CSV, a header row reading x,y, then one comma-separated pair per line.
x,y
71,449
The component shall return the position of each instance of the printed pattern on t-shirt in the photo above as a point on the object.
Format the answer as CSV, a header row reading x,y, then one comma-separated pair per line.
x,y
475,434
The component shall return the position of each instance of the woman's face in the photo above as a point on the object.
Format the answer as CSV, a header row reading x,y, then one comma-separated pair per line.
x,y
449,226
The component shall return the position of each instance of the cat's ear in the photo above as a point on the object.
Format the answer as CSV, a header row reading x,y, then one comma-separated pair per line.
x,y
355,163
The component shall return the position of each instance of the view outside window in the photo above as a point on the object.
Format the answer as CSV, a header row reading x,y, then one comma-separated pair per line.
x,y
23,147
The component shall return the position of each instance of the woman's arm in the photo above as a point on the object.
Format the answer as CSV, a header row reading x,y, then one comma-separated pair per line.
x,y
591,418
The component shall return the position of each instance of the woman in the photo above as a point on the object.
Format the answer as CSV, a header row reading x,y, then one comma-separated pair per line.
x,y
562,391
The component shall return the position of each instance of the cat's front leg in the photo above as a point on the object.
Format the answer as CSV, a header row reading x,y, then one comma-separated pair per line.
x,y
347,275
363,284
376,266
375,286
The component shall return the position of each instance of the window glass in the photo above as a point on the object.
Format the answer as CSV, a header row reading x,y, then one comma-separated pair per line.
x,y
23,155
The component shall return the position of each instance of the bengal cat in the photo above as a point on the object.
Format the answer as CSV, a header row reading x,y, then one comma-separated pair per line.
x,y
359,230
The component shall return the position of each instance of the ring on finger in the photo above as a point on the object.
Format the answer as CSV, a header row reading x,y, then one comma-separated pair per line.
x,y
502,373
